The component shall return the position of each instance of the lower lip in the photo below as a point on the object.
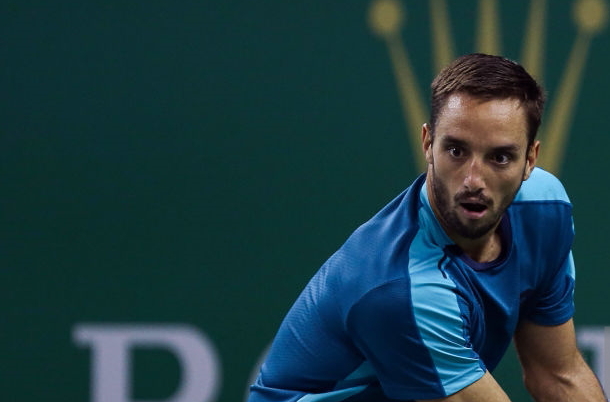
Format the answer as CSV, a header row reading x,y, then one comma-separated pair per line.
x,y
473,214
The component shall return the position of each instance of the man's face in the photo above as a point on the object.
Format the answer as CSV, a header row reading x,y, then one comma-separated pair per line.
x,y
477,161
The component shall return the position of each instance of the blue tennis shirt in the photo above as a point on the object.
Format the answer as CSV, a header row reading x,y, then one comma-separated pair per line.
x,y
399,312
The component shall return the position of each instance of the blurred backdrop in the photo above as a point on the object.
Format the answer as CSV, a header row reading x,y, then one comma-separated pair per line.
x,y
174,172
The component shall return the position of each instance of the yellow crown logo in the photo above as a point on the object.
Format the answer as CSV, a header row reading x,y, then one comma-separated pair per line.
x,y
387,17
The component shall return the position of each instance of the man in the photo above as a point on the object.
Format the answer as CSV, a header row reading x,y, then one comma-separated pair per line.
x,y
422,301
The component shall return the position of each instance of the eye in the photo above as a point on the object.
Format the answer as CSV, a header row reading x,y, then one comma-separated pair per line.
x,y
502,158
455,151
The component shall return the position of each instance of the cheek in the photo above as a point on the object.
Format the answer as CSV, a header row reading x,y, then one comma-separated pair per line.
x,y
441,165
508,186
451,174
444,184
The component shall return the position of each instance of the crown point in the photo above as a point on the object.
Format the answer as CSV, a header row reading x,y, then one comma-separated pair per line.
x,y
386,17
590,15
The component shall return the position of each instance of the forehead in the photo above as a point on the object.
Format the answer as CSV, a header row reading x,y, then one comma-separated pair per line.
x,y
480,119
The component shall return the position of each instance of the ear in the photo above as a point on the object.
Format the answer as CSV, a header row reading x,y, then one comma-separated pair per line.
x,y
426,139
530,159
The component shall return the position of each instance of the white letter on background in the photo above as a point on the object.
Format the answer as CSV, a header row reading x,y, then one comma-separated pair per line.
x,y
597,340
111,360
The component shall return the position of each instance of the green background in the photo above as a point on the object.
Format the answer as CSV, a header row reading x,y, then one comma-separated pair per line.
x,y
196,161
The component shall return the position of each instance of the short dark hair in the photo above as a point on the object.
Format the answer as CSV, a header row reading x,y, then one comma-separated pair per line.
x,y
489,77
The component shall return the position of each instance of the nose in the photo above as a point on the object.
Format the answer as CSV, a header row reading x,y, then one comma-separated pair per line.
x,y
473,180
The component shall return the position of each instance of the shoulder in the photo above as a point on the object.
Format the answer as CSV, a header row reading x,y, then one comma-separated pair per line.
x,y
542,186
541,221
542,199
385,239
376,255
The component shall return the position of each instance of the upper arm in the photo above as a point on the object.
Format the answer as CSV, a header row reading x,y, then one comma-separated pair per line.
x,y
553,301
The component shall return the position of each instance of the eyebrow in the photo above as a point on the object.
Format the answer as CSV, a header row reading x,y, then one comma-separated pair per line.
x,y
448,139
513,149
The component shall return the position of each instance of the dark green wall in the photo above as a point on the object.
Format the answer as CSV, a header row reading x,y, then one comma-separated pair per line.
x,y
194,163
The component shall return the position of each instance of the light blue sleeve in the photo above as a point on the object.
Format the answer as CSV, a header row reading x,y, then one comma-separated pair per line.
x,y
412,332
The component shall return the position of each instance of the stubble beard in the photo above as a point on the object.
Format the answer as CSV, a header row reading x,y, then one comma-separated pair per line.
x,y
450,218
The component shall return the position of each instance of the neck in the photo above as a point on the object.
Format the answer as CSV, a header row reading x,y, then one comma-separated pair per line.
x,y
484,249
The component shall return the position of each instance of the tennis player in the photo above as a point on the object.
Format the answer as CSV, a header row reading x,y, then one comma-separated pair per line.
x,y
422,301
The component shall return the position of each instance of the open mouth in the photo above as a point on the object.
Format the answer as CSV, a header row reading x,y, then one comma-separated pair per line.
x,y
472,207
473,210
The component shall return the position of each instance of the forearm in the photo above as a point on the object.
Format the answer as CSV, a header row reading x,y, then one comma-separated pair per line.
x,y
553,367
580,384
